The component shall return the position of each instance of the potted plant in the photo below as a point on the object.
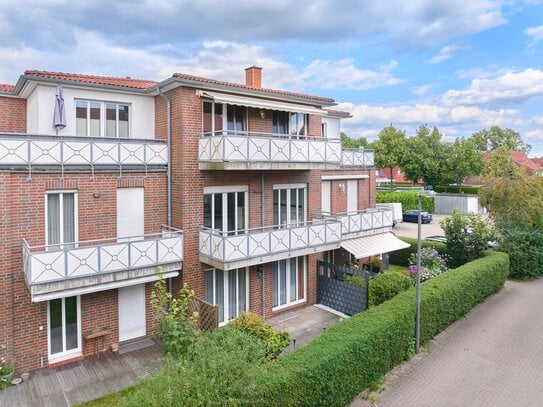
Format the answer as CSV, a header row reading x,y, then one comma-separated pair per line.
x,y
376,264
6,374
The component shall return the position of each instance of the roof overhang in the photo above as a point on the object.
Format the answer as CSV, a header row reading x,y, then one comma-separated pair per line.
x,y
367,246
260,103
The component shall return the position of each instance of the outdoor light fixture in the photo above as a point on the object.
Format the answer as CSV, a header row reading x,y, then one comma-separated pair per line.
x,y
262,114
421,194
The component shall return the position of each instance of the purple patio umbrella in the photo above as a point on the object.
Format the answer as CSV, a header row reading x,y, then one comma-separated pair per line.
x,y
59,118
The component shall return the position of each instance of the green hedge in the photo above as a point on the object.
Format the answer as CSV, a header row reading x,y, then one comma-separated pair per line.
x,y
353,354
386,286
401,257
457,189
408,199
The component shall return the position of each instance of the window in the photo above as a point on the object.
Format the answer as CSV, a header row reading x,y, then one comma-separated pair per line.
x,y
89,119
213,117
298,124
289,205
229,289
61,219
280,122
226,211
324,130
288,282
64,327
236,119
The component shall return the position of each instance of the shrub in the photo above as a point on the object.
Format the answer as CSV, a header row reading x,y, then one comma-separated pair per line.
x,y
351,355
220,368
457,189
431,263
5,370
401,257
252,324
467,235
175,329
387,285
524,245
408,199
355,280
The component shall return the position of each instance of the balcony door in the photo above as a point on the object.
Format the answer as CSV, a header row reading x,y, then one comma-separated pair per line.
x,y
289,282
215,120
229,289
64,328
225,209
61,220
289,205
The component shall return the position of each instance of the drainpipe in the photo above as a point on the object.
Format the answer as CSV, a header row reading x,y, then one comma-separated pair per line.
x,y
168,170
262,224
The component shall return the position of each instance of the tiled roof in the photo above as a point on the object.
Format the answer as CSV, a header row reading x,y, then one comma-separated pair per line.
x,y
338,112
100,80
5,87
237,85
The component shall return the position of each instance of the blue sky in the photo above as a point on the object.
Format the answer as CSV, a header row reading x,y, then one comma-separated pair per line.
x,y
460,65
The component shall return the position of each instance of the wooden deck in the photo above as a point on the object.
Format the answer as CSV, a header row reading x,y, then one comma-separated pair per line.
x,y
81,381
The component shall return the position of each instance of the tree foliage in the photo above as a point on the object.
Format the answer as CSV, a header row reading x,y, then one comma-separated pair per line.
x,y
461,160
491,139
500,164
390,147
424,157
348,142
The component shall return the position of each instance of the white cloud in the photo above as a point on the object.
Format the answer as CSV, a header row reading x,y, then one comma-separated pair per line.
x,y
533,135
536,34
512,87
446,53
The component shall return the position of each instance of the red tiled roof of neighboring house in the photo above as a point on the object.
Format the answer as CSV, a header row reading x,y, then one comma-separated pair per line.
x,y
241,86
397,175
520,157
538,161
5,87
94,79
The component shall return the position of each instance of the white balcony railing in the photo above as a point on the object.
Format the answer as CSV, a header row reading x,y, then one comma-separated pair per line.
x,y
263,147
263,242
357,158
367,220
250,147
45,264
33,150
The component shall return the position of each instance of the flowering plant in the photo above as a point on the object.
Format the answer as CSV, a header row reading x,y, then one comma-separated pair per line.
x,y
431,262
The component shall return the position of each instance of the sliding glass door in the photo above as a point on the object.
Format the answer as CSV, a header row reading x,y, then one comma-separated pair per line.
x,y
64,328
289,206
61,219
229,289
226,211
288,282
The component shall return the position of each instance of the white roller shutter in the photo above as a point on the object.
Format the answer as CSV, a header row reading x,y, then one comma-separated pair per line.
x,y
130,212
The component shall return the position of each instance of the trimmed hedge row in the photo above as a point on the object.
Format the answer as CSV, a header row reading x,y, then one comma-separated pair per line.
x,y
408,199
457,189
353,354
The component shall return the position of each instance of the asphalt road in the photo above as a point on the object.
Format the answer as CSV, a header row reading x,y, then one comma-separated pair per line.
x,y
492,357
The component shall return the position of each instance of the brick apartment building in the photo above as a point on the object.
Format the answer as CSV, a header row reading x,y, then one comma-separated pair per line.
x,y
234,189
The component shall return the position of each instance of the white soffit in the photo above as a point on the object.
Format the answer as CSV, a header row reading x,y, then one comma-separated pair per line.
x,y
260,103
340,177
373,245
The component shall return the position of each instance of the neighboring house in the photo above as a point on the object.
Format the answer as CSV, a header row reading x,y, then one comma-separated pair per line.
x,y
241,175
530,166
398,177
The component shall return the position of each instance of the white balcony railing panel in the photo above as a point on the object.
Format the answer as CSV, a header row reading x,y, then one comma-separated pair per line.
x,y
279,241
235,247
45,264
364,221
259,149
259,244
28,150
235,148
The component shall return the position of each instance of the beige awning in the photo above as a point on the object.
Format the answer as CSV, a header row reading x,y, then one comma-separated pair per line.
x,y
260,103
367,246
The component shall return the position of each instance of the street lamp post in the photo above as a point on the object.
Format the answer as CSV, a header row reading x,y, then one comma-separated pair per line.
x,y
428,194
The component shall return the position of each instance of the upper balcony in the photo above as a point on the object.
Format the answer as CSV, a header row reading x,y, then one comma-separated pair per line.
x,y
226,250
364,223
267,151
98,265
59,152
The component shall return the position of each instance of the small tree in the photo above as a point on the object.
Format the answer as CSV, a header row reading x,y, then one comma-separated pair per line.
x,y
175,328
467,236
389,148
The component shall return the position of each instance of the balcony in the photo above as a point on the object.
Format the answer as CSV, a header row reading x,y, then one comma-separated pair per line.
x,y
359,158
98,265
365,223
265,151
33,151
256,246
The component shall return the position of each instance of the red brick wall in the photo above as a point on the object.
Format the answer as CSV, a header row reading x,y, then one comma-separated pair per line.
x,y
12,115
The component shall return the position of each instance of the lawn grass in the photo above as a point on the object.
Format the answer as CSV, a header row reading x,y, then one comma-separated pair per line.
x,y
109,400
401,269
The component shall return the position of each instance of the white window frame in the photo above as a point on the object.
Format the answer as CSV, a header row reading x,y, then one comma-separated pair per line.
x,y
61,208
72,353
289,187
224,118
103,110
302,300
226,292
224,191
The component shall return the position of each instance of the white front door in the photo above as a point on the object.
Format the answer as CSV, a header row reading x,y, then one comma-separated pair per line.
x,y
131,312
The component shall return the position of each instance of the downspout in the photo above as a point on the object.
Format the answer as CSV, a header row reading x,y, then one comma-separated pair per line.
x,y
169,168
262,224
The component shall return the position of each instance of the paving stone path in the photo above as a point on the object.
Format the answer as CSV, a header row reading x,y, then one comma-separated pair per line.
x,y
492,357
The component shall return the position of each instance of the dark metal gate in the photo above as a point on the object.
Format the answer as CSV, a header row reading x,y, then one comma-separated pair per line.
x,y
335,293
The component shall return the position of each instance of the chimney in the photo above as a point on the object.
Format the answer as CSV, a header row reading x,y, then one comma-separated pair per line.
x,y
253,77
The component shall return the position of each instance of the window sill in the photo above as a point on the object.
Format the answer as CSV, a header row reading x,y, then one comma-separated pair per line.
x,y
289,305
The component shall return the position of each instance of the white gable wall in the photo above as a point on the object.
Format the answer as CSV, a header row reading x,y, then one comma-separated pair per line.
x,y
41,104
332,127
